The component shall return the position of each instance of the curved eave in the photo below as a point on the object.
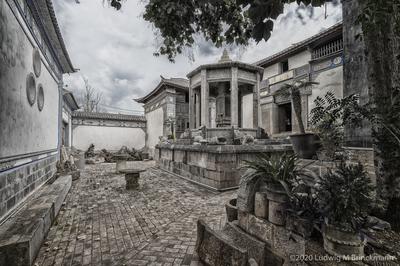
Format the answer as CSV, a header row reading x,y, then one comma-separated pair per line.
x,y
238,64
158,89
67,65
70,100
48,18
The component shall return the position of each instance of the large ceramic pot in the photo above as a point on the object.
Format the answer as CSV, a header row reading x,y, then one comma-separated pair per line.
x,y
231,210
342,243
261,205
277,203
305,146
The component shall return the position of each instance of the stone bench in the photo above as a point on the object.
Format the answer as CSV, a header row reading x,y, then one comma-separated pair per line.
x,y
132,177
22,234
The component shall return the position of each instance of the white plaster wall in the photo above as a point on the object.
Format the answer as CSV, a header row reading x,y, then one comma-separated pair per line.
x,y
329,80
247,111
271,71
110,138
155,121
24,129
299,59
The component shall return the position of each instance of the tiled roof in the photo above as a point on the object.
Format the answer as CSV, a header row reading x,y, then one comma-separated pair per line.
x,y
179,83
108,116
226,64
47,16
335,29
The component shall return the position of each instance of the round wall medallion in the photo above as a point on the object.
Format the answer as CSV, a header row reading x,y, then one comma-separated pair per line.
x,y
31,88
37,63
337,60
40,98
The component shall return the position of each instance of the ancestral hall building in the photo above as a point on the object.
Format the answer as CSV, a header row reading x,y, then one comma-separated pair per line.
x,y
318,59
33,58
166,110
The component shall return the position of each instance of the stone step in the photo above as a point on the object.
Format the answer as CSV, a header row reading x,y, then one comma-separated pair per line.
x,y
233,246
22,234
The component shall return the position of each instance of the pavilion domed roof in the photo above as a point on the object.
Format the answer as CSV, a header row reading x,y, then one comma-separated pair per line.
x,y
226,62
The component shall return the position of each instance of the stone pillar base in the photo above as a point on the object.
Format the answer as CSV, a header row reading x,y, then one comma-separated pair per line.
x,y
132,180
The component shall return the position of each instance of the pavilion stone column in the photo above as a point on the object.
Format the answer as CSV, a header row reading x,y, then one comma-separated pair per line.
x,y
256,101
192,110
197,110
234,98
221,100
205,121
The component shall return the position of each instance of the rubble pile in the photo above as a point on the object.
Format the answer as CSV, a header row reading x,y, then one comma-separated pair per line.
x,y
90,152
66,165
131,154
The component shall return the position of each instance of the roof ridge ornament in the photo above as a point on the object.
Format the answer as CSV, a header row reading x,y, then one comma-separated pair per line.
x,y
225,57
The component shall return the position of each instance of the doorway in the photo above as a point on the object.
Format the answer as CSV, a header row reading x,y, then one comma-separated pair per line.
x,y
285,117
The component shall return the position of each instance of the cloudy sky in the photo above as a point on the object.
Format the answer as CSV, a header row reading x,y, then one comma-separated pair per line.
x,y
114,49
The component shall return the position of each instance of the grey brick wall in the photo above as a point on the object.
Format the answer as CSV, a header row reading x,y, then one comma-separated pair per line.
x,y
16,184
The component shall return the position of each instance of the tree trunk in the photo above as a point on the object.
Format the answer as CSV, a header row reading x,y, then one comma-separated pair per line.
x,y
296,99
382,50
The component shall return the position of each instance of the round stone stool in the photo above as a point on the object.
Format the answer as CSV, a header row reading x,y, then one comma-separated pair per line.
x,y
132,177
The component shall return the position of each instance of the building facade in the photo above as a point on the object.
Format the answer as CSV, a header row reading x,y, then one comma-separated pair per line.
x,y
166,110
318,59
32,60
107,131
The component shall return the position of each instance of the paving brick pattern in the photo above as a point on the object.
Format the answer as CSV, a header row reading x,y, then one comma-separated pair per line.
x,y
101,223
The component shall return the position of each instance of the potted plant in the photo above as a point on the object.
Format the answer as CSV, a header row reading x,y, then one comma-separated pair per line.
x,y
276,171
304,144
328,119
344,197
303,214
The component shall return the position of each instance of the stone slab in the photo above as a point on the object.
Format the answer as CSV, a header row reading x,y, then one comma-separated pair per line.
x,y
215,249
22,234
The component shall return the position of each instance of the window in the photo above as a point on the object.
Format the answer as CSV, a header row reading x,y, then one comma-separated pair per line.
x,y
284,66
186,97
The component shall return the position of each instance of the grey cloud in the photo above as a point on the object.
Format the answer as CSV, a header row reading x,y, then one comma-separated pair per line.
x,y
114,50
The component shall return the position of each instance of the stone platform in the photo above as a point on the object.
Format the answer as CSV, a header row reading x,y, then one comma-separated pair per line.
x,y
23,233
215,166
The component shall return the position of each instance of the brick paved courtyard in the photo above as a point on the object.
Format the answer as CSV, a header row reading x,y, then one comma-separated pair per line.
x,y
101,223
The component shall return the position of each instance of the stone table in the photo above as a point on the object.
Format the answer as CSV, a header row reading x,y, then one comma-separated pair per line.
x,y
120,161
132,178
